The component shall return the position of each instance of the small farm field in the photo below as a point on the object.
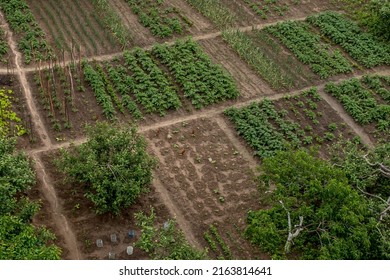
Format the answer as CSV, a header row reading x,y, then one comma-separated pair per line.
x,y
209,179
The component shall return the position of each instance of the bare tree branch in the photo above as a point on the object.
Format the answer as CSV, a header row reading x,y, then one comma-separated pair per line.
x,y
383,169
291,234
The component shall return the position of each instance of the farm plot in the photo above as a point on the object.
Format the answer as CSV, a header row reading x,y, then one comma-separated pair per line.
x,y
162,19
89,227
90,26
271,61
130,87
309,49
367,101
30,37
292,122
15,120
211,183
248,82
364,47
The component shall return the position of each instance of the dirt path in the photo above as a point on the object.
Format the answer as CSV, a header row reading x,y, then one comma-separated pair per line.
x,y
60,220
21,74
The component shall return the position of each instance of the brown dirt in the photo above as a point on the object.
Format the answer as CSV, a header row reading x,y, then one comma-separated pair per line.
x,y
208,180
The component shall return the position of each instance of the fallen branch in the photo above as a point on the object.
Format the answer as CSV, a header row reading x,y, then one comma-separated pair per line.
x,y
383,169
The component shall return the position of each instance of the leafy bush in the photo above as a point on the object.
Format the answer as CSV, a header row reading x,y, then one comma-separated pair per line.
x,y
112,165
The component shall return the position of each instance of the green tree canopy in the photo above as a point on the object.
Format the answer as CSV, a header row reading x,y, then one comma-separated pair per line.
x,y
18,238
329,218
113,165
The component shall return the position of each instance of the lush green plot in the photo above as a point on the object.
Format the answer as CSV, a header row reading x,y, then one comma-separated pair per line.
x,y
138,76
361,103
309,49
10,123
202,81
162,20
32,43
268,129
362,46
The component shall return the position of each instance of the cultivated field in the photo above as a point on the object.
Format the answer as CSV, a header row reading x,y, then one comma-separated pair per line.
x,y
213,86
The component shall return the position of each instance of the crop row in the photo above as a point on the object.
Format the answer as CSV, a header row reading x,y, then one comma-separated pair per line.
x,y
202,81
32,43
361,103
362,46
268,129
309,49
162,20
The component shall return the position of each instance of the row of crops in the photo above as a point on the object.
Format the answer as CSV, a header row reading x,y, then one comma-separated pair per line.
x,y
296,121
32,42
139,77
162,19
366,100
305,119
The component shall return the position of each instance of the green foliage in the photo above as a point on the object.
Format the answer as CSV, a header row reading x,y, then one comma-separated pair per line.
x,y
96,81
202,81
32,42
337,221
3,45
152,88
18,238
361,103
309,49
362,46
374,14
266,7
113,165
8,118
162,19
23,241
268,130
167,243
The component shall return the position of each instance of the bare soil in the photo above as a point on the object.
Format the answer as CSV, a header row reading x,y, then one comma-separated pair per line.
x,y
208,179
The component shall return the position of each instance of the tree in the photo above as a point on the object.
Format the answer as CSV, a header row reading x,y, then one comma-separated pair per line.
x,y
112,165
18,238
166,243
332,219
23,241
